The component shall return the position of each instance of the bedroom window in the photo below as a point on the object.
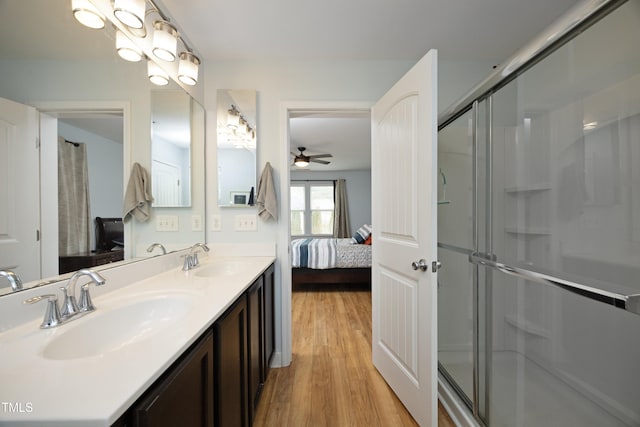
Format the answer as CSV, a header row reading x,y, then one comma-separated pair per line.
x,y
312,208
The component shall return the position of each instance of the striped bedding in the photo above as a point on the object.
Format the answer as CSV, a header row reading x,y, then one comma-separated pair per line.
x,y
329,253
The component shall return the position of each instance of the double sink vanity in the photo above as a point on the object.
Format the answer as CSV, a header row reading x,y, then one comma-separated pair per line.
x,y
164,346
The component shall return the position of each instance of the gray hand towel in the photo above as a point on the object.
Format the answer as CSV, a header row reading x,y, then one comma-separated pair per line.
x,y
137,199
266,201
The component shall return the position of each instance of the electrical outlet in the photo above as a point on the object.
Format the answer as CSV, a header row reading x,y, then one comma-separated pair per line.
x,y
245,223
196,222
216,222
167,223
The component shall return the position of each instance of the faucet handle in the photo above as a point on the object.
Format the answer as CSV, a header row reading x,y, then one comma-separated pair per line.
x,y
69,305
85,303
52,315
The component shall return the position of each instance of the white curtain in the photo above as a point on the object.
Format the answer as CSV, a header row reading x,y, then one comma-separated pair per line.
x,y
341,210
74,222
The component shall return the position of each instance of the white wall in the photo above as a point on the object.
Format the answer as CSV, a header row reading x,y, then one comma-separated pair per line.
x,y
279,82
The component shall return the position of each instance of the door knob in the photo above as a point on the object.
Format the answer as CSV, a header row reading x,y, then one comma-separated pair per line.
x,y
421,264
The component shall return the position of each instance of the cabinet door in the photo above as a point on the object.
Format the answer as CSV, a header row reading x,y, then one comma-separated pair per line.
x,y
231,386
269,323
184,396
256,340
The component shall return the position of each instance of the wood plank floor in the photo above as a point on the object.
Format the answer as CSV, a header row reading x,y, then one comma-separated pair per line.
x,y
331,380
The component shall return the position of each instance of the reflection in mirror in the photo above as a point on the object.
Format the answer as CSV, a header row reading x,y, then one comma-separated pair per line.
x,y
237,141
170,148
73,75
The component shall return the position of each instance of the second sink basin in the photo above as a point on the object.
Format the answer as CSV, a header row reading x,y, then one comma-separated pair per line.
x,y
221,268
100,332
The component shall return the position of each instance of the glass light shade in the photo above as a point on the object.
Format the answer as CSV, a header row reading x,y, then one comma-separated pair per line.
x,y
126,48
188,68
156,74
165,41
301,163
130,12
87,14
233,118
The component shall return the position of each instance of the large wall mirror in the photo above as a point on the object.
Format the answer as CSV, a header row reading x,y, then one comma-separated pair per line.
x,y
92,96
237,141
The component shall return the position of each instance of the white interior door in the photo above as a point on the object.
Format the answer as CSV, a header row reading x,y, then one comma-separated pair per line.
x,y
19,192
165,184
404,167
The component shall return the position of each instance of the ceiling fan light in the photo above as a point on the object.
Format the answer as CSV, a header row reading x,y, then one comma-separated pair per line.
x,y
301,163
165,41
157,75
126,48
87,14
188,68
130,12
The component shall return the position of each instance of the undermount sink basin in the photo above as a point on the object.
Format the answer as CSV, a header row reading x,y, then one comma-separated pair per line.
x,y
221,268
101,332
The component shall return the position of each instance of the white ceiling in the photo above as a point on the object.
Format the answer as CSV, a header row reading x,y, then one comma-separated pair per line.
x,y
464,30
461,30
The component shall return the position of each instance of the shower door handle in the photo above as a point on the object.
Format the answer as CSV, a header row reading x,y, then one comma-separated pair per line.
x,y
420,264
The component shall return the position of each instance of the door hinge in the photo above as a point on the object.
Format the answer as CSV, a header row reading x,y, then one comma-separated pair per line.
x,y
37,235
37,142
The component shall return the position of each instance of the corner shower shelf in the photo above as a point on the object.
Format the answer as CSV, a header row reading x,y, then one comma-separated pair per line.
x,y
527,189
528,231
527,327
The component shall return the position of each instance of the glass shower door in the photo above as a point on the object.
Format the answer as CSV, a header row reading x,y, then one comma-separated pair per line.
x,y
455,278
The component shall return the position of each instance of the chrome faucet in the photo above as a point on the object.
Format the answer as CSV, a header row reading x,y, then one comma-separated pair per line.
x,y
54,316
13,278
191,261
157,245
69,306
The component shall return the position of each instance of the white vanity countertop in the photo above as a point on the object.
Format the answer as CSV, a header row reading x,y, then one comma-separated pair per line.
x,y
41,384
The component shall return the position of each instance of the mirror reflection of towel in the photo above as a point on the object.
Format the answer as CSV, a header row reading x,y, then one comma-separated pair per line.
x,y
266,201
137,199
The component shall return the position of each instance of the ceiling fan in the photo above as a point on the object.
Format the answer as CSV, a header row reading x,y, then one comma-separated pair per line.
x,y
302,161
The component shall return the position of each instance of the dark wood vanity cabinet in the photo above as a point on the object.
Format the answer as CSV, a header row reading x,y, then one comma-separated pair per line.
x,y
217,382
269,340
231,366
184,395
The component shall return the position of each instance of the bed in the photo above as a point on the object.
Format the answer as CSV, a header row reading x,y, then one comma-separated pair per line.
x,y
330,260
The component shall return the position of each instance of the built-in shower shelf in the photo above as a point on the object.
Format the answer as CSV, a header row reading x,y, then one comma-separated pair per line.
x,y
527,327
527,189
528,231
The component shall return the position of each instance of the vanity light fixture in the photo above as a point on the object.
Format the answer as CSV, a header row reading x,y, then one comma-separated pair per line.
x,y
87,14
130,12
126,48
156,74
233,117
165,41
188,68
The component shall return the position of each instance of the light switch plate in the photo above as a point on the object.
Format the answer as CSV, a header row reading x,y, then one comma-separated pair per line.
x,y
167,223
245,223
196,222
216,222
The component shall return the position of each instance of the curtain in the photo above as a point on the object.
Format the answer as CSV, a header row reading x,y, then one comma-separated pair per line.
x,y
74,222
341,210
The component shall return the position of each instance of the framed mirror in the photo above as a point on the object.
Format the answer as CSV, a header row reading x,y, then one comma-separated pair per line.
x,y
237,142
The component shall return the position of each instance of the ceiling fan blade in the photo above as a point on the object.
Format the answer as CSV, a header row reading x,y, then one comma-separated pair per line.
x,y
324,162
293,154
318,156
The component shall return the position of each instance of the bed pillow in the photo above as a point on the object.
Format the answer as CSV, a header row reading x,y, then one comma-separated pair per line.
x,y
362,234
